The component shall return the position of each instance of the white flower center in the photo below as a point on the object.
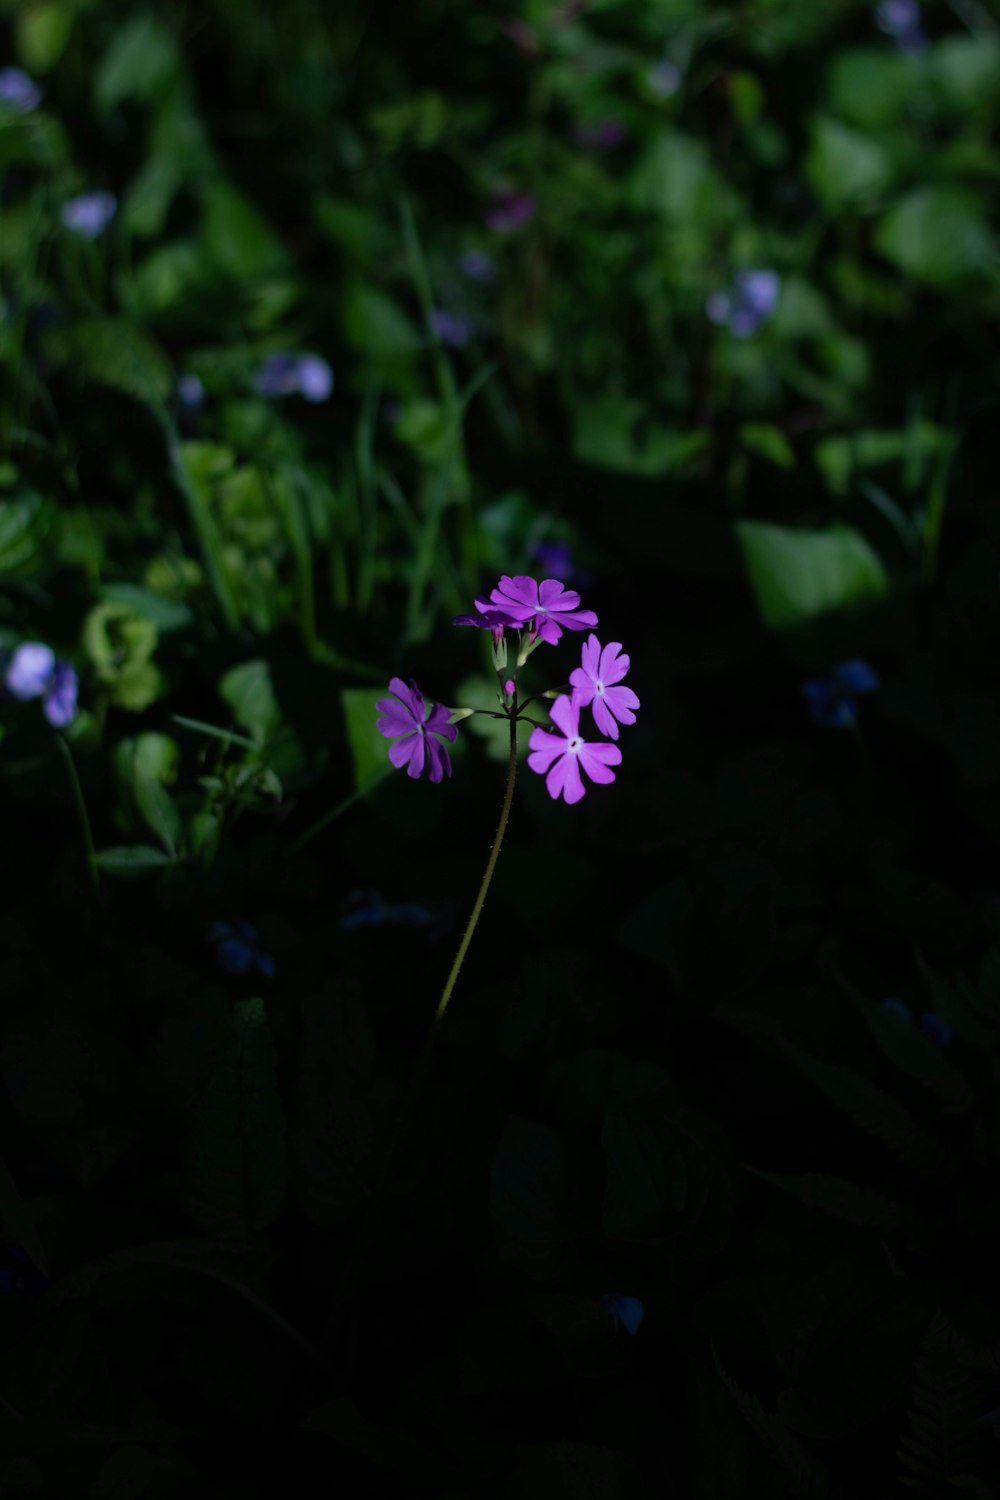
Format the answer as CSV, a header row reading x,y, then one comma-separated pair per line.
x,y
574,744
599,688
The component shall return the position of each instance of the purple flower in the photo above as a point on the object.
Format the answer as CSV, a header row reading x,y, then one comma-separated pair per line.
x,y
900,20
936,1029
190,392
752,300
34,672
477,265
488,617
601,135
547,608
89,214
305,375
510,211
559,757
238,951
405,722
556,558
832,700
594,683
624,1312
450,328
18,91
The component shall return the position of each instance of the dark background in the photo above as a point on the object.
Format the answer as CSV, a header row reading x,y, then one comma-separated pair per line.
x,y
258,1233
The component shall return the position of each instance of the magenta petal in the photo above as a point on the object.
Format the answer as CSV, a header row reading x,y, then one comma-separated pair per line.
x,y
544,748
438,760
604,718
621,701
607,754
613,666
397,720
595,766
566,716
549,631
518,594
402,750
590,655
437,722
577,619
565,780
553,595
419,757
582,685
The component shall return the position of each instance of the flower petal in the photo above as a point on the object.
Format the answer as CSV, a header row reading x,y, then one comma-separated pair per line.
x,y
555,596
401,752
30,670
549,630
519,594
438,760
410,695
604,751
577,619
437,722
582,685
595,766
418,757
566,715
613,664
59,705
397,719
590,656
564,780
621,701
604,718
544,748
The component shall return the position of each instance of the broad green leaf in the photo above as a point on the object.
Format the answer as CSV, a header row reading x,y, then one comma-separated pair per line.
x,y
369,749
236,238
797,575
43,29
127,861
110,352
940,236
147,765
120,644
966,71
618,433
872,88
140,63
768,442
845,166
250,694
164,614
25,525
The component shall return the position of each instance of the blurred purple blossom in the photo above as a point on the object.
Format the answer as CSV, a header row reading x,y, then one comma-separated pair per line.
x,y
306,375
556,559
510,211
601,135
751,301
451,328
18,91
34,672
900,20
238,950
477,265
664,79
190,391
89,214
624,1312
832,701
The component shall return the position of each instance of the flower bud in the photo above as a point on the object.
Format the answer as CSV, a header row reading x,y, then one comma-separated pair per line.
x,y
499,649
458,714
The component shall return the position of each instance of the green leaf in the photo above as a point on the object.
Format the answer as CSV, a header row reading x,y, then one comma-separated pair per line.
x,y
862,1206
797,575
140,63
966,70
250,694
164,614
120,644
618,433
369,749
43,29
768,442
905,1045
846,167
146,765
940,236
240,1153
25,526
128,861
110,352
806,1474
236,238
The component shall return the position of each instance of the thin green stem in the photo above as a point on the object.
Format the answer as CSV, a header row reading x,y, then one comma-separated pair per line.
x,y
491,865
81,807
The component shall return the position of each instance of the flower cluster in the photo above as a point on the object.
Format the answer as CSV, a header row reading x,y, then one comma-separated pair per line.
x,y
18,91
238,950
35,672
539,613
833,701
305,375
750,301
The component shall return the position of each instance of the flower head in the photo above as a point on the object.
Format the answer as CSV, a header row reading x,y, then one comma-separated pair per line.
x,y
190,391
490,617
900,20
34,672
305,375
624,1312
547,608
406,721
510,211
238,951
89,214
832,700
18,91
556,558
450,328
560,757
750,302
595,682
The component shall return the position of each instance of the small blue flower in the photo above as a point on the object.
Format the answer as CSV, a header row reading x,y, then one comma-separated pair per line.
x,y
237,950
477,265
89,214
306,375
624,1312
369,908
190,392
832,701
900,20
750,302
936,1029
18,91
34,672
450,328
